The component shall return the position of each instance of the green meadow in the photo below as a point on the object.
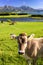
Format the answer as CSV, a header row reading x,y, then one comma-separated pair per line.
x,y
14,16
9,48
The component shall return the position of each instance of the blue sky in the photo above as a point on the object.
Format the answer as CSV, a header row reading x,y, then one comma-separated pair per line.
x,y
32,3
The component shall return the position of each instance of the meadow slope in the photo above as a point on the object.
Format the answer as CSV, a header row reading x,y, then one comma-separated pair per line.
x,y
9,48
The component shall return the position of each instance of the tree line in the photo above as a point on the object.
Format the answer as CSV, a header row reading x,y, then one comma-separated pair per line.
x,y
2,14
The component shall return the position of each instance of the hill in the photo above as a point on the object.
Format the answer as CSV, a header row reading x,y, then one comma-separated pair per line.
x,y
9,48
16,9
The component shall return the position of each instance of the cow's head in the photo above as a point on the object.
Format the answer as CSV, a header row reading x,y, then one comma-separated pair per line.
x,y
22,41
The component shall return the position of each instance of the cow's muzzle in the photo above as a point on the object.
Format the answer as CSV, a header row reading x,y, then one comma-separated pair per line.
x,y
21,52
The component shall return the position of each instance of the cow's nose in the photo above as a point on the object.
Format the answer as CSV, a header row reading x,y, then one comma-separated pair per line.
x,y
21,53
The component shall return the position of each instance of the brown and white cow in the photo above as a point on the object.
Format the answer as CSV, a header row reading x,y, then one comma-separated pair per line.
x,y
30,46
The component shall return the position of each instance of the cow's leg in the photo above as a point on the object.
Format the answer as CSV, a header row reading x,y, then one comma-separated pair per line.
x,y
34,61
28,60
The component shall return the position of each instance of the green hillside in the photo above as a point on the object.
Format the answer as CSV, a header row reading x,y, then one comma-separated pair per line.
x,y
9,48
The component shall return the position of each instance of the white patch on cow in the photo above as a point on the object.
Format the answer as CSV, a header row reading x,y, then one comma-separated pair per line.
x,y
21,51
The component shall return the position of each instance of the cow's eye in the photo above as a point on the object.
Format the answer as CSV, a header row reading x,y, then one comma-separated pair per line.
x,y
20,37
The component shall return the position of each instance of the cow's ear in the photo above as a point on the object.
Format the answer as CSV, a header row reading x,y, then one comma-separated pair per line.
x,y
31,36
13,36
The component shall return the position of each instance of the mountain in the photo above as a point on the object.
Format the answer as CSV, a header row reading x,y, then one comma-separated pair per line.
x,y
7,9
18,9
26,8
15,9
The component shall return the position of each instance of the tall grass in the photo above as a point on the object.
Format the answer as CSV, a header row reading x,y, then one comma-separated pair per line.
x,y
9,48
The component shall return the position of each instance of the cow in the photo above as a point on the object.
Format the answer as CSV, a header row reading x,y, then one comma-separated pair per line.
x,y
30,47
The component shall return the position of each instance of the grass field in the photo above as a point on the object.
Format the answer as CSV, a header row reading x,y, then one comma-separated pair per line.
x,y
14,16
9,48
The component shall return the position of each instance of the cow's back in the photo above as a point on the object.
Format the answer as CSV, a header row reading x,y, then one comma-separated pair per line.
x,y
36,47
